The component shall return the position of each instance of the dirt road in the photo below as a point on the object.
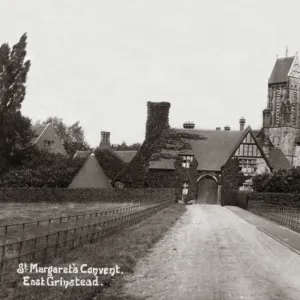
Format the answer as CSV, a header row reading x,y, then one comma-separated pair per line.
x,y
212,254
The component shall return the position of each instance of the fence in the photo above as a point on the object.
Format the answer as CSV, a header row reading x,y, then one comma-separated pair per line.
x,y
19,229
288,216
39,247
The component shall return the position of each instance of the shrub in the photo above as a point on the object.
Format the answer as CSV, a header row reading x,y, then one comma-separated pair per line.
x,y
43,170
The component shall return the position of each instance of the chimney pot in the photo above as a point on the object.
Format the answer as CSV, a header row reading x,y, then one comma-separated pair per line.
x,y
242,123
105,140
189,125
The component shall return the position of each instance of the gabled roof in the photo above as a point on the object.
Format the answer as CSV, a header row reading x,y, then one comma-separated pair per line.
x,y
278,160
91,175
243,136
126,155
38,131
212,153
281,70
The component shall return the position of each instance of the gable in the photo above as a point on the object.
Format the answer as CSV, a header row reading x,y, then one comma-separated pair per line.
x,y
295,68
50,141
248,148
91,175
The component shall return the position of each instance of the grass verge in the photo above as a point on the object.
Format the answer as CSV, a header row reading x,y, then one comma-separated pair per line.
x,y
123,248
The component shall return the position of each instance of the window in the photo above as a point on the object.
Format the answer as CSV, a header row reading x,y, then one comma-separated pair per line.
x,y
248,166
48,144
186,160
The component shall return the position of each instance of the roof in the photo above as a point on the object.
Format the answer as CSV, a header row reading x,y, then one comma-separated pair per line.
x,y
38,130
126,155
91,175
82,154
281,70
278,160
213,152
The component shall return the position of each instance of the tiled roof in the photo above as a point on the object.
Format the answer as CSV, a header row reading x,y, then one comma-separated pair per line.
x,y
126,155
281,70
38,130
166,164
213,152
278,160
91,175
82,153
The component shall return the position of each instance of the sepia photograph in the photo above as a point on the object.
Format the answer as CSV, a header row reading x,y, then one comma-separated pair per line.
x,y
149,150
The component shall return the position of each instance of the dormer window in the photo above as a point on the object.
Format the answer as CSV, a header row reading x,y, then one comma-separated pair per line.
x,y
186,160
48,144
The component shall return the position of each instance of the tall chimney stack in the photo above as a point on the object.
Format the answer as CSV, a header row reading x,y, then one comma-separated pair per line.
x,y
157,120
242,123
105,140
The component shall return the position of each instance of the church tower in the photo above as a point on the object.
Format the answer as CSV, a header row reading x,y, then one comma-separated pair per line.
x,y
283,109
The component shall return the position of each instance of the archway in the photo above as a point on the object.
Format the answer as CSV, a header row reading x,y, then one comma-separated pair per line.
x,y
207,190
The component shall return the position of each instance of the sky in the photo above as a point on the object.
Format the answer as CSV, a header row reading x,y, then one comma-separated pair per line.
x,y
99,62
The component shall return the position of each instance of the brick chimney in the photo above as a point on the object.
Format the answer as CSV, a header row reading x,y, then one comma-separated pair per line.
x,y
266,126
105,140
227,128
157,120
218,128
189,125
242,123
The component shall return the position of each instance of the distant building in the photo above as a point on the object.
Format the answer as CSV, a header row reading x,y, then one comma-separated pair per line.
x,y
47,139
125,155
82,154
281,118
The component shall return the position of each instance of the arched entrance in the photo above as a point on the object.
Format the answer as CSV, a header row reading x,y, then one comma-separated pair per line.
x,y
207,190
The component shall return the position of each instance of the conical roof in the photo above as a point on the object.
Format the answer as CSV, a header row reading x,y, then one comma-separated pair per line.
x,y
91,175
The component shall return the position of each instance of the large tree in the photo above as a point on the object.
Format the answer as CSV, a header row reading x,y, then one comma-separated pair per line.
x,y
15,132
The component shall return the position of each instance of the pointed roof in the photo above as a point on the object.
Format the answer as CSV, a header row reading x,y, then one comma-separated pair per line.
x,y
91,175
38,131
281,70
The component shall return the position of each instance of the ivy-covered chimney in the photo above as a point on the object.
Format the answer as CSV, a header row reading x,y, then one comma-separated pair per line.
x,y
157,120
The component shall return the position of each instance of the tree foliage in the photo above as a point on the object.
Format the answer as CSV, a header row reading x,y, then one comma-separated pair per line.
x,y
124,147
43,170
110,162
15,132
281,181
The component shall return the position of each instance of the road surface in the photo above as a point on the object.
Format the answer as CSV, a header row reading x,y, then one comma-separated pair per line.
x,y
213,254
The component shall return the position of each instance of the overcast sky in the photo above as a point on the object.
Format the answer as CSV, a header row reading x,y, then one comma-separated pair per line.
x,y
99,62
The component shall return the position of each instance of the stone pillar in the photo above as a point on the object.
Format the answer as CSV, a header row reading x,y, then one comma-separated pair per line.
x,y
219,194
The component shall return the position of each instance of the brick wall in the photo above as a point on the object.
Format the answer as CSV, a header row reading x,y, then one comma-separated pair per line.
x,y
85,195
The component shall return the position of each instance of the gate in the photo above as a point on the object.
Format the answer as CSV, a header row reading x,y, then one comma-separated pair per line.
x,y
207,191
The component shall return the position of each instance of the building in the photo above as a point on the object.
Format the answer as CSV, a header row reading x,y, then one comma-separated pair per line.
x,y
47,139
125,155
281,118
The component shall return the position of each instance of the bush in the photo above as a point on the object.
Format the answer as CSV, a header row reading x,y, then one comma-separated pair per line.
x,y
281,181
43,170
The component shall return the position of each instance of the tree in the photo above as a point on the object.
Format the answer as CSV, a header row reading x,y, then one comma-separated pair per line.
x,y
71,136
124,147
15,132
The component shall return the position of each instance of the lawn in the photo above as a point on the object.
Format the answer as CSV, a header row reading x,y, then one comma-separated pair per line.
x,y
122,248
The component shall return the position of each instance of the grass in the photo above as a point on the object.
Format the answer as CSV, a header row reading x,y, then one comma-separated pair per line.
x,y
14,212
123,248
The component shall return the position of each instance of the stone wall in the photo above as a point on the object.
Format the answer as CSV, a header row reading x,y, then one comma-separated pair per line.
x,y
61,195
